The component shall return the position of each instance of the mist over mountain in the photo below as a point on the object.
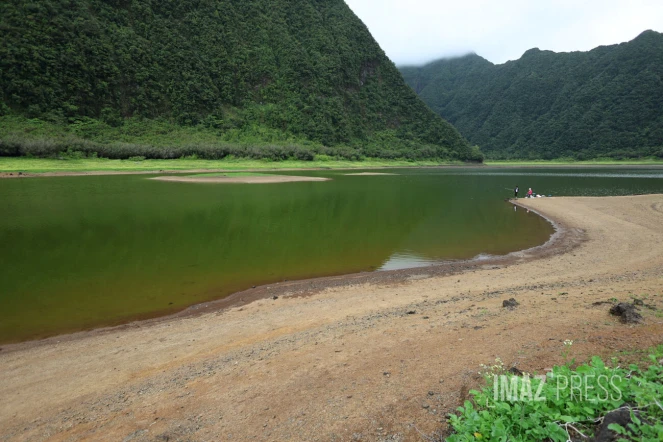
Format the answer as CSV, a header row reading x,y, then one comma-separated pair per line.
x,y
302,72
607,102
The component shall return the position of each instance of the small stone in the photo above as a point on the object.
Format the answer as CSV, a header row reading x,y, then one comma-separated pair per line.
x,y
431,393
510,303
425,406
627,313
411,312
275,297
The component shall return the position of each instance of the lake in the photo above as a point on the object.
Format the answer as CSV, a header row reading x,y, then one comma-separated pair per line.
x,y
84,252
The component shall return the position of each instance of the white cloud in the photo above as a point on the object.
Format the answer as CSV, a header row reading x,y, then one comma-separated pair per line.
x,y
415,31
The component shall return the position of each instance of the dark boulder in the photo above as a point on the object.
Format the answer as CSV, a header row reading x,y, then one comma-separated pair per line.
x,y
510,303
627,313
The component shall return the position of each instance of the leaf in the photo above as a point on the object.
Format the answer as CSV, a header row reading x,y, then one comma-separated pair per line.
x,y
617,428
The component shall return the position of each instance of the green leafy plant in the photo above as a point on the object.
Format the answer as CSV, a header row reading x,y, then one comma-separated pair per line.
x,y
566,403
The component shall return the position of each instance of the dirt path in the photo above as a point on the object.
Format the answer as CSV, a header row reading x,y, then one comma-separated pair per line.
x,y
370,361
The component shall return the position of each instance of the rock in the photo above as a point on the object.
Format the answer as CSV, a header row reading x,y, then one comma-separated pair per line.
x,y
627,313
510,303
275,297
431,393
425,406
622,416
411,312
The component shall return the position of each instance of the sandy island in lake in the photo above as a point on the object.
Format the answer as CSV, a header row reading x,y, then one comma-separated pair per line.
x,y
376,356
369,174
248,179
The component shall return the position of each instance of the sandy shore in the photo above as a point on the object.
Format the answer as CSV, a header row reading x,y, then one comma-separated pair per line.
x,y
257,179
369,174
369,358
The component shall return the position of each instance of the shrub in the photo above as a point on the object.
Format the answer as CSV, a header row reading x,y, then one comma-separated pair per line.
x,y
560,416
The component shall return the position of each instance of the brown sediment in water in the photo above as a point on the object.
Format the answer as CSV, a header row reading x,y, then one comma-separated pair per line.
x,y
350,355
258,179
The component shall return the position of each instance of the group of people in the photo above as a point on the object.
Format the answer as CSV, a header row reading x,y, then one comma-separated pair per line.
x,y
530,194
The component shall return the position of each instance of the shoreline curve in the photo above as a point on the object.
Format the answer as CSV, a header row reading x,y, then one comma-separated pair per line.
x,y
561,240
360,356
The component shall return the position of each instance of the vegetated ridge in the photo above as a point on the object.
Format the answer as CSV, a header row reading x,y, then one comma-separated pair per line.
x,y
607,102
211,78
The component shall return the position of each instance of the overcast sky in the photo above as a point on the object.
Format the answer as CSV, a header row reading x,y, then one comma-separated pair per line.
x,y
416,31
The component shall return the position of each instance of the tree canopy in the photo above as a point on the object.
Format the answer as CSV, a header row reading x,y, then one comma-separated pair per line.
x,y
607,102
307,69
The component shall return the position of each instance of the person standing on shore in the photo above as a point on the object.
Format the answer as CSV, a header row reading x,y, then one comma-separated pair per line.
x,y
515,192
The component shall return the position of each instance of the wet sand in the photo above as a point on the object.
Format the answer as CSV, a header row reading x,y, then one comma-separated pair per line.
x,y
367,356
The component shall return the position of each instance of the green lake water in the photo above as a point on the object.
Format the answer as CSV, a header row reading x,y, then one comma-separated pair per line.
x,y
84,252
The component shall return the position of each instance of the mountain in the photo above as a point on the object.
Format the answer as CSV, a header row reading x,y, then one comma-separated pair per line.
x,y
258,72
607,102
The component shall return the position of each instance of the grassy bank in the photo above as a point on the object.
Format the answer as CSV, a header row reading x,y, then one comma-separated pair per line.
x,y
41,165
568,162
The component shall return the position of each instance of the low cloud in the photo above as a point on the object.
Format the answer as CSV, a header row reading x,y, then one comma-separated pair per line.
x,y
417,31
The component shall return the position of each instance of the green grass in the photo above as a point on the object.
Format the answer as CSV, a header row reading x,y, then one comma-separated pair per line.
x,y
569,162
41,165
563,413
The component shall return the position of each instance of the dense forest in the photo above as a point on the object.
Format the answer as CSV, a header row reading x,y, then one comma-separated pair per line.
x,y
607,102
268,78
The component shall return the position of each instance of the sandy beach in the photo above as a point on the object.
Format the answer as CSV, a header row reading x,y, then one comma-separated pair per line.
x,y
371,357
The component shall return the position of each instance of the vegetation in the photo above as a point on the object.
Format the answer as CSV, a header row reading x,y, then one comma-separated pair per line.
x,y
571,162
73,162
607,102
565,413
270,79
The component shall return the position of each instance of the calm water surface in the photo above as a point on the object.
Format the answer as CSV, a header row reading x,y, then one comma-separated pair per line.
x,y
82,252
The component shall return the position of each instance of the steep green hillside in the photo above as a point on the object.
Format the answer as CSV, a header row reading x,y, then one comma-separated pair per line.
x,y
605,102
242,73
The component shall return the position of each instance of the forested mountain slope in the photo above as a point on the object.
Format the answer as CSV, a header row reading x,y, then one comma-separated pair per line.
x,y
605,102
257,72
